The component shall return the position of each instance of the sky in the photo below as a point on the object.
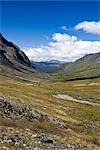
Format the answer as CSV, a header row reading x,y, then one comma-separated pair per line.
x,y
44,30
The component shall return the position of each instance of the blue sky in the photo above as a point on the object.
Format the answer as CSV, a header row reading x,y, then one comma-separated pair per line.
x,y
31,23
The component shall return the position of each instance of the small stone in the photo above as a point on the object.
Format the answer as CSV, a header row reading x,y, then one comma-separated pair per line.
x,y
24,145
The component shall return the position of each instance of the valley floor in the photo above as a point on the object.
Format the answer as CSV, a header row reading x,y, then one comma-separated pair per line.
x,y
32,118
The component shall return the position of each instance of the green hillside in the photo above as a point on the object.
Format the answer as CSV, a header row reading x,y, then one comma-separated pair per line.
x,y
84,68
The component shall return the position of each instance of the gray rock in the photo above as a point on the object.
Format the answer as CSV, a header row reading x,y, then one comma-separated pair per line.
x,y
14,139
19,111
75,146
43,138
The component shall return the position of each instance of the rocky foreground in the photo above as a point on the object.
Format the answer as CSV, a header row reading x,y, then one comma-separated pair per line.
x,y
14,135
27,140
20,111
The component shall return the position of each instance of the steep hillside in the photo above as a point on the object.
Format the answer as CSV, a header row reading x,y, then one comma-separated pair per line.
x,y
12,56
14,62
86,67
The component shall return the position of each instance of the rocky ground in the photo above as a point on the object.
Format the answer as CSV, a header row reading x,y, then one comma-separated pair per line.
x,y
16,137
20,111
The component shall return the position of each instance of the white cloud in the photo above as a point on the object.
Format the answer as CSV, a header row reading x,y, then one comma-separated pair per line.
x,y
58,37
90,27
64,28
63,47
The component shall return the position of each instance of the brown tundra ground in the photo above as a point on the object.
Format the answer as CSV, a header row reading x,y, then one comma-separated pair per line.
x,y
56,123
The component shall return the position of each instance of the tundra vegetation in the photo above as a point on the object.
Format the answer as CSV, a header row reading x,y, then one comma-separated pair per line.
x,y
73,123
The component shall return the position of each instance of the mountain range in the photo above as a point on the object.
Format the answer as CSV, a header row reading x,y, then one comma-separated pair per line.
x,y
49,66
13,61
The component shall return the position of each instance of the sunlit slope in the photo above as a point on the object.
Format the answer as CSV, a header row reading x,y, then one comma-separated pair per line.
x,y
84,68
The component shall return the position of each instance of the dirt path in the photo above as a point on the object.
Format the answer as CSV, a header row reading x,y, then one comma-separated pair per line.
x,y
70,98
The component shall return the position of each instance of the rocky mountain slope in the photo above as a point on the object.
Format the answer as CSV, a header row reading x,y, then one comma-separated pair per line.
x,y
12,56
14,62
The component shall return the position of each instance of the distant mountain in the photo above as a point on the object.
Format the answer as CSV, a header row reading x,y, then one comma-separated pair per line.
x,y
86,67
13,61
49,66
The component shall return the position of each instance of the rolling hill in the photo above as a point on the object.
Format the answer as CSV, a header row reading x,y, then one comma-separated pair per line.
x,y
84,68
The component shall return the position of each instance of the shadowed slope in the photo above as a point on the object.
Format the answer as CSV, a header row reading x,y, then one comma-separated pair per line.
x,y
13,61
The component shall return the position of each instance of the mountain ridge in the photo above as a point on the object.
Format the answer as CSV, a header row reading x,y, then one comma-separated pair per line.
x,y
83,68
14,62
11,53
